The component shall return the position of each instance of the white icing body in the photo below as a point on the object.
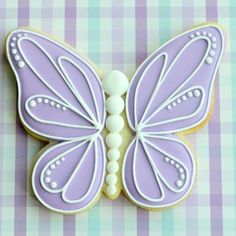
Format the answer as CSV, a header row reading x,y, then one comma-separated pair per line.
x,y
115,84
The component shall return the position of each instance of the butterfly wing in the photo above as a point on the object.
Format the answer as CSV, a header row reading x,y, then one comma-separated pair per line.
x,y
158,171
68,177
172,89
60,95
170,92
60,98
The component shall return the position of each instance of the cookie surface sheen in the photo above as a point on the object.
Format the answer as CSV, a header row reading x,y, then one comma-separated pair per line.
x,y
61,98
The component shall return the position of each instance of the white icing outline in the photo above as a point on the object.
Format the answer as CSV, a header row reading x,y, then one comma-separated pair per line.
x,y
186,81
140,133
128,118
63,190
180,117
179,190
46,167
75,54
91,137
80,99
95,168
90,119
191,180
28,109
100,185
212,78
158,84
152,165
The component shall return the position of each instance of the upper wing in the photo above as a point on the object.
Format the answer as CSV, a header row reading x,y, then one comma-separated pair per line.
x,y
158,171
68,177
60,95
171,91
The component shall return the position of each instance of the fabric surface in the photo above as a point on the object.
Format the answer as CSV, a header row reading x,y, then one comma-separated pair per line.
x,y
120,35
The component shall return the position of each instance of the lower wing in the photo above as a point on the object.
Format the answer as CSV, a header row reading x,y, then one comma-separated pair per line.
x,y
154,175
69,176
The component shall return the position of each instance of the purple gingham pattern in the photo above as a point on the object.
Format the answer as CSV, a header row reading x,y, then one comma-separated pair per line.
x,y
121,34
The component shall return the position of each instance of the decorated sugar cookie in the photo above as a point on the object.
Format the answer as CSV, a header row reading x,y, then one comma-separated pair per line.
x,y
61,99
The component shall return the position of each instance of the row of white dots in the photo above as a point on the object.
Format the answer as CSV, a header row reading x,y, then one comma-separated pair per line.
x,y
115,84
179,183
14,38
114,123
190,94
204,33
48,172
209,59
14,51
34,103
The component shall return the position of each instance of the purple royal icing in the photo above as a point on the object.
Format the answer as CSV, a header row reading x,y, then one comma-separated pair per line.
x,y
60,98
170,92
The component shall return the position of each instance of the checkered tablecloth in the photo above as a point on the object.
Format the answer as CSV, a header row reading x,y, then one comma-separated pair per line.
x,y
121,34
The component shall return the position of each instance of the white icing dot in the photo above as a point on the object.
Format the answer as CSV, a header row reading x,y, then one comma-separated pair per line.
x,y
197,33
21,64
174,104
169,107
32,103
46,101
111,190
47,180
14,38
113,154
19,35
52,103
52,166
115,83
184,98
213,39
58,105
179,183
58,163
48,172
12,45
167,159
196,93
192,36
178,100
114,123
111,179
17,57
25,34
182,176
212,53
114,105
213,45
64,108
189,94
209,60
14,51
177,165
53,185
204,33
63,159
172,162
181,170
209,35
112,167
113,140
39,100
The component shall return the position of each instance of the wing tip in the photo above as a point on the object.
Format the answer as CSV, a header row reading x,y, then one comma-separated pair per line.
x,y
215,27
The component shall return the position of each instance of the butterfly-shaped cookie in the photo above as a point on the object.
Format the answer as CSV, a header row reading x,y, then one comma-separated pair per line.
x,y
61,99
